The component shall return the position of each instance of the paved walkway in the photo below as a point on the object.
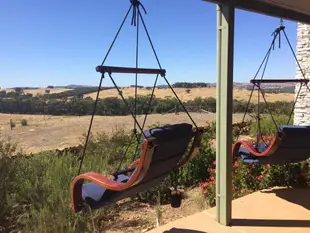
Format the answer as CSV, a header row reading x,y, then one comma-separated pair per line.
x,y
278,210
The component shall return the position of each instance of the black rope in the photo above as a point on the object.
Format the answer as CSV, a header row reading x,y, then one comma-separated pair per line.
x,y
260,90
246,110
91,122
97,97
180,102
119,30
125,153
134,21
137,59
150,101
265,60
258,135
291,113
157,59
149,38
276,34
268,108
299,66
302,72
127,105
136,4
135,132
147,111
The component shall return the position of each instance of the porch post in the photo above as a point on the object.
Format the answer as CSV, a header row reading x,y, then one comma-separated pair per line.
x,y
224,102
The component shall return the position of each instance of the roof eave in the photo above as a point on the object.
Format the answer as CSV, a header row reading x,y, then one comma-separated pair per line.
x,y
276,10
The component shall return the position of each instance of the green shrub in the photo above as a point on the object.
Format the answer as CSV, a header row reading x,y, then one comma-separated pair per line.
x,y
35,191
24,122
12,124
267,125
250,178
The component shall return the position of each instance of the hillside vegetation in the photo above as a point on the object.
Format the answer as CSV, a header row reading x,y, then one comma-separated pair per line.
x,y
80,101
35,190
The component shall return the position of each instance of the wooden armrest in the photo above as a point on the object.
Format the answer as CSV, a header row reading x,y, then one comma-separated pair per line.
x,y
142,166
273,146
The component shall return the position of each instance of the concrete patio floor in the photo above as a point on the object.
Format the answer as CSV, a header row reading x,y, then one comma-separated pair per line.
x,y
275,210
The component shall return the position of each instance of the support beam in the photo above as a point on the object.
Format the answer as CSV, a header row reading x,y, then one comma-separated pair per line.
x,y
296,12
225,53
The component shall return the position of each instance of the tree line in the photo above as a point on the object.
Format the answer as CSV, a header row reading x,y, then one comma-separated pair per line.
x,y
112,106
79,92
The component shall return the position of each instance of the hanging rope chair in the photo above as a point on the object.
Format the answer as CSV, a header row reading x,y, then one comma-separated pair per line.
x,y
162,150
289,143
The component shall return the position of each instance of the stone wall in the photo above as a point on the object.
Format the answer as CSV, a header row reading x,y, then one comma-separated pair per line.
x,y
302,108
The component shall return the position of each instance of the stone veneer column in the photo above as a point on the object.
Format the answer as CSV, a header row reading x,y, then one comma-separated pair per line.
x,y
302,108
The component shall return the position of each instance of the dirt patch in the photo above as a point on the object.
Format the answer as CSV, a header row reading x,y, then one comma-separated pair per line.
x,y
139,217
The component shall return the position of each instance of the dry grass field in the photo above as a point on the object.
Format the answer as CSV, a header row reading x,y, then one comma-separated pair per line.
x,y
41,91
51,132
239,94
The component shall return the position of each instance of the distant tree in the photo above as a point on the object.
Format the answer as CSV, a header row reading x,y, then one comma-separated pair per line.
x,y
50,87
18,90
2,94
11,94
47,91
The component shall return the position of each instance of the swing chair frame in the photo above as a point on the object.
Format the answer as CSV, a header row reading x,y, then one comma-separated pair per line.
x,y
275,143
140,167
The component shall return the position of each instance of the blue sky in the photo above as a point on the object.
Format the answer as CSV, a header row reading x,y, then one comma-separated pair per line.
x,y
61,42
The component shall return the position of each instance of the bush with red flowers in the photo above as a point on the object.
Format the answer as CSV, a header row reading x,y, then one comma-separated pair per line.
x,y
248,178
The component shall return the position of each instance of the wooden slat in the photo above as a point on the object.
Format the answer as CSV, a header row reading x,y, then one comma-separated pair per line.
x,y
129,70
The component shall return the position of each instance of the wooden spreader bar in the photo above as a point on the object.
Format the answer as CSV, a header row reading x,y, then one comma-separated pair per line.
x,y
129,70
258,81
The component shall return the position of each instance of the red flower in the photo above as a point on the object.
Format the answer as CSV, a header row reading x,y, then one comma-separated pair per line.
x,y
214,162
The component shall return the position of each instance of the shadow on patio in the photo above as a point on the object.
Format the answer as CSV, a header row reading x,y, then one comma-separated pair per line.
x,y
298,196
179,230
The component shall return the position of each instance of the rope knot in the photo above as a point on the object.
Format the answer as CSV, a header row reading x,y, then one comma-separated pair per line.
x,y
277,33
136,11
